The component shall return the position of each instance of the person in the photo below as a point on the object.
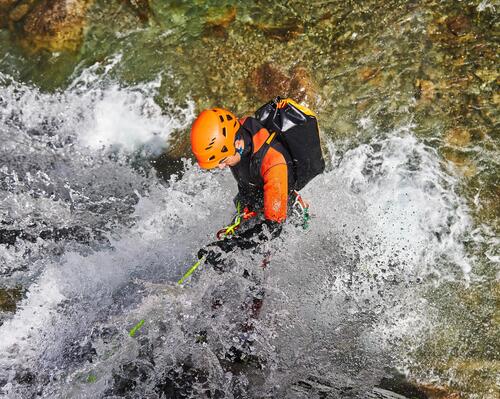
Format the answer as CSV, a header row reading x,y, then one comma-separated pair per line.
x,y
270,155
220,140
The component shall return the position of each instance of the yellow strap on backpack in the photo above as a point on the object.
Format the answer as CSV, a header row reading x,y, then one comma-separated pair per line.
x,y
305,110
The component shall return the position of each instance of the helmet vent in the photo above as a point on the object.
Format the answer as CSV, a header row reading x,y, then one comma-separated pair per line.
x,y
211,158
221,118
210,146
235,123
229,117
224,149
224,132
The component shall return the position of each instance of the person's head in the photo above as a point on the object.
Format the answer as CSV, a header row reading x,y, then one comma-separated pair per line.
x,y
212,138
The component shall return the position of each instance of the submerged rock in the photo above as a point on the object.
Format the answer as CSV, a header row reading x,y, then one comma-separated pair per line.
x,y
20,10
5,9
142,8
458,137
218,20
268,81
221,17
461,162
438,392
302,87
55,25
288,30
9,297
458,25
425,90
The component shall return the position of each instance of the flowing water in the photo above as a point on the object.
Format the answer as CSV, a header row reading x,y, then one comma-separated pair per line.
x,y
396,274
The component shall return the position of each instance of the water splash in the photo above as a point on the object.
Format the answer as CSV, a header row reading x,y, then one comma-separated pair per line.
x,y
336,300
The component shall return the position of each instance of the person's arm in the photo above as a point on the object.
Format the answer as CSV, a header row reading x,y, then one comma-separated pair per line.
x,y
275,211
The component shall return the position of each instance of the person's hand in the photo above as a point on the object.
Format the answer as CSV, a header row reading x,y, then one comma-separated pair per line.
x,y
213,252
212,255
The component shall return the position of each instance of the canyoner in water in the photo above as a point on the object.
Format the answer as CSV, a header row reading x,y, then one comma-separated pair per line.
x,y
272,156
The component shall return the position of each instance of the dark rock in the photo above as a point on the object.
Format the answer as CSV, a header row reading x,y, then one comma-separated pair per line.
x,y
80,352
5,8
9,297
458,25
285,32
25,377
85,236
267,81
179,382
166,165
20,10
142,8
302,87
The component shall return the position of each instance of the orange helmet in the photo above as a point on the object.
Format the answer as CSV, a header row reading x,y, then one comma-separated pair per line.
x,y
212,136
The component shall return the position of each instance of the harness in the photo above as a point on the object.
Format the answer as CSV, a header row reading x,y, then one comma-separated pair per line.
x,y
247,172
300,208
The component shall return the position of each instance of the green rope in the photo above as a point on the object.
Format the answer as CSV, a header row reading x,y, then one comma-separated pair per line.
x,y
136,328
191,270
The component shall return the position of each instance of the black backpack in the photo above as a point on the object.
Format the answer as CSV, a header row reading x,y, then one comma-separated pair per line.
x,y
296,127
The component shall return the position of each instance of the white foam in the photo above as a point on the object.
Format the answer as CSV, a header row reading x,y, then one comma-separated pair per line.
x,y
99,112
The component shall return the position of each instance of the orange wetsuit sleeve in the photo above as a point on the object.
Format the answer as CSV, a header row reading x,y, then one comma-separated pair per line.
x,y
275,175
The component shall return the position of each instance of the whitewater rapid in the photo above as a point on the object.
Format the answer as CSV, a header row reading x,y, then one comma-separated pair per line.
x,y
339,297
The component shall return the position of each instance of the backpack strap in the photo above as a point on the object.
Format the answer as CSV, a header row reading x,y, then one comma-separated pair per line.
x,y
257,158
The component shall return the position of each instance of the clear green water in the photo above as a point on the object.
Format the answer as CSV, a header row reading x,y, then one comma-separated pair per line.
x,y
371,67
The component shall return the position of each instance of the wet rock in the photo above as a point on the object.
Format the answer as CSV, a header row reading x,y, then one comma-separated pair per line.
x,y
167,164
5,7
19,12
180,144
9,297
142,8
302,87
438,392
25,377
10,236
185,381
285,32
458,137
267,81
55,25
458,25
461,162
7,4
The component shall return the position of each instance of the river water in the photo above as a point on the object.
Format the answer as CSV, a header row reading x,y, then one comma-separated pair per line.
x,y
397,273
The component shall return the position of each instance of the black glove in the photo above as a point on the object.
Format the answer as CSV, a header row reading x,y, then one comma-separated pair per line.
x,y
212,255
248,239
